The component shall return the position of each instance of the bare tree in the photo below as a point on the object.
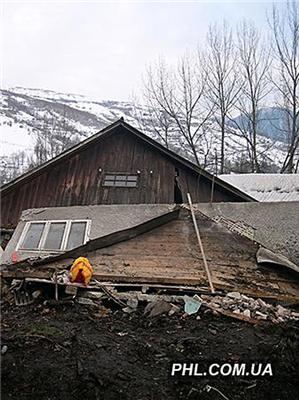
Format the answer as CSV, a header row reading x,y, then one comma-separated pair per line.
x,y
148,116
253,64
12,166
179,95
222,79
285,31
53,137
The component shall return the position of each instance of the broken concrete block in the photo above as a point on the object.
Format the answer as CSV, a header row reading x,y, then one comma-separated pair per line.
x,y
94,295
247,313
129,310
234,295
243,297
174,309
71,289
144,289
262,303
36,294
236,311
158,307
260,315
214,305
281,311
132,303
85,301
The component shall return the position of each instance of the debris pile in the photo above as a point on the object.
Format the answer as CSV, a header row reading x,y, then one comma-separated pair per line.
x,y
242,305
106,298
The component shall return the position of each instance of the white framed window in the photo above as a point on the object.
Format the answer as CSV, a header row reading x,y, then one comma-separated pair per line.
x,y
54,235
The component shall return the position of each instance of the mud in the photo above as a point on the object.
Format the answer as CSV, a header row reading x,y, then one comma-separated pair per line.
x,y
78,352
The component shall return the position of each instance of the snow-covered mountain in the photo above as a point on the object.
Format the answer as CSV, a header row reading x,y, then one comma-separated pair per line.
x,y
23,112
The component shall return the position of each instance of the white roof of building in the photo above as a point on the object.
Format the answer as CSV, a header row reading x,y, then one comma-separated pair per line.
x,y
266,187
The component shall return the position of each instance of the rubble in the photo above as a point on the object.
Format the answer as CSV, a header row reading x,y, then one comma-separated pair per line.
x,y
158,307
251,309
232,304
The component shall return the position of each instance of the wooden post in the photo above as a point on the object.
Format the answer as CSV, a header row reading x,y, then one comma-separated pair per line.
x,y
200,244
56,286
212,189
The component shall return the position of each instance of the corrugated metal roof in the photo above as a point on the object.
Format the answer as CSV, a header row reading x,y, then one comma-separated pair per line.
x,y
274,225
266,187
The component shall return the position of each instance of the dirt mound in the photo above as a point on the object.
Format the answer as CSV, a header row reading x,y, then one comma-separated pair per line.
x,y
77,351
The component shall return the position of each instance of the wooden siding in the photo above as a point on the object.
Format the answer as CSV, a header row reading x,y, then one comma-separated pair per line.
x,y
77,179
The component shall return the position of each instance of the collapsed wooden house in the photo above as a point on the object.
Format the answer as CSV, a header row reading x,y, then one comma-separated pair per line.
x,y
118,165
250,247
118,198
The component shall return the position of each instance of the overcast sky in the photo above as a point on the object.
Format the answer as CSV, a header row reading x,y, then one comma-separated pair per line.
x,y
102,48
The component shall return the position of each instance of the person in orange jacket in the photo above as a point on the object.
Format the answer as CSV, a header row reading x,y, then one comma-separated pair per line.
x,y
81,271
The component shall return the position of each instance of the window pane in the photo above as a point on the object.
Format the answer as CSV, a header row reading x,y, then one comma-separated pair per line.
x,y
132,178
121,180
109,177
55,235
131,184
33,236
77,234
121,177
120,183
109,183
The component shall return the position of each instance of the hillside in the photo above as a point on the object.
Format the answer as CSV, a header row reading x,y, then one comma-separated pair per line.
x,y
23,112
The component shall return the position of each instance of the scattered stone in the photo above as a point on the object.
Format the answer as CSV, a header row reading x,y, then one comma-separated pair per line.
x,y
94,295
72,290
174,309
158,307
247,313
129,310
36,294
45,311
4,349
234,295
198,318
132,303
260,315
236,311
85,301
243,297
214,305
281,311
217,300
262,303
144,289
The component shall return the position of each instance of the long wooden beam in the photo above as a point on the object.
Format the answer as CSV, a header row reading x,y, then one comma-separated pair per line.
x,y
200,244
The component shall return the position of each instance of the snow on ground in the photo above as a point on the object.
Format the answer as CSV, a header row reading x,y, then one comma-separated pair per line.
x,y
14,137
266,187
30,109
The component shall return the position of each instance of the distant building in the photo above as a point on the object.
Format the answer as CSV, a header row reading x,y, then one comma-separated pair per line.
x,y
266,187
118,165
